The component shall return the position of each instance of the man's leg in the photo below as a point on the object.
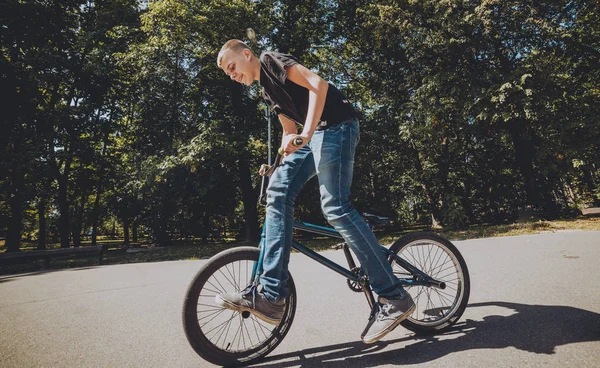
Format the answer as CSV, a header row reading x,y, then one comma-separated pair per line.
x,y
334,150
266,301
284,186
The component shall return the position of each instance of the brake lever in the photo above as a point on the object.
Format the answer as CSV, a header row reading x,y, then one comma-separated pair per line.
x,y
266,170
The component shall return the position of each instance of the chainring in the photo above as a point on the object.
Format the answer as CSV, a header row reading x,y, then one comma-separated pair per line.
x,y
353,285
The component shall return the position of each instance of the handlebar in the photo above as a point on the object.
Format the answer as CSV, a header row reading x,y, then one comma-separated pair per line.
x,y
270,169
297,142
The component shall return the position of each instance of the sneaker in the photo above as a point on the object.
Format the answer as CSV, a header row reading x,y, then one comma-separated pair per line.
x,y
252,300
388,316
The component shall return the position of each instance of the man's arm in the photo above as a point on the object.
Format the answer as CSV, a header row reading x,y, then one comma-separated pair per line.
x,y
317,94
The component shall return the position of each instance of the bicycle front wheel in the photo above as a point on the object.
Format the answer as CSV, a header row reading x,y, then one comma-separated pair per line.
x,y
436,309
223,336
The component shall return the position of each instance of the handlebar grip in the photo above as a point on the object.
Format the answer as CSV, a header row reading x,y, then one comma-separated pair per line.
x,y
297,141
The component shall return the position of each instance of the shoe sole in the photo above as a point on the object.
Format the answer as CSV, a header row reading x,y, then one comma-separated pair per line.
x,y
390,328
238,308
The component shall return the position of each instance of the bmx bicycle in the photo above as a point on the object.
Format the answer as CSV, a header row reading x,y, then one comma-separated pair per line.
x,y
429,267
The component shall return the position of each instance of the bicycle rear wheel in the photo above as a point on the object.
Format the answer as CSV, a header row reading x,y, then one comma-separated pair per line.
x,y
223,336
437,309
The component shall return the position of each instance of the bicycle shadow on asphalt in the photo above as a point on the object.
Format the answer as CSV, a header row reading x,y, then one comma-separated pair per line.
x,y
533,328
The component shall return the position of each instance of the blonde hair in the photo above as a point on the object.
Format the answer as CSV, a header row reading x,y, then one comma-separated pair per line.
x,y
235,45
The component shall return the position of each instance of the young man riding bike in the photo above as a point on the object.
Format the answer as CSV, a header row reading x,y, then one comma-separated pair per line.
x,y
328,142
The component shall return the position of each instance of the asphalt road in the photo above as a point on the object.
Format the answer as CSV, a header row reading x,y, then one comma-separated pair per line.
x,y
535,302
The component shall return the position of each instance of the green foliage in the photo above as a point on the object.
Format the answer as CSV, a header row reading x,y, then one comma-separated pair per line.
x,y
473,111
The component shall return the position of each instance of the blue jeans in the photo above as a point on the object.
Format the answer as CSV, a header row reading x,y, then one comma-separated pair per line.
x,y
330,156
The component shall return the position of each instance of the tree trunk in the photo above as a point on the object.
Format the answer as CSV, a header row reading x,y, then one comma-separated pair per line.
x,y
96,208
63,206
433,205
78,223
588,180
126,230
524,153
13,236
249,198
466,201
205,230
42,223
134,231
113,232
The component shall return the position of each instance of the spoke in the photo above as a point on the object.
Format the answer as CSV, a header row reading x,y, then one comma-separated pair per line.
x,y
236,335
212,291
445,269
207,305
207,296
226,278
453,281
428,305
214,315
242,331
232,275
452,288
452,272
419,253
437,269
256,329
440,310
417,298
437,264
438,255
427,260
240,274
206,334
262,326
409,250
248,333
209,310
221,290
449,297
445,297
227,331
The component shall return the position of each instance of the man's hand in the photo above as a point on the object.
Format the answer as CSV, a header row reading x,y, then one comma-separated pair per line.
x,y
288,144
263,169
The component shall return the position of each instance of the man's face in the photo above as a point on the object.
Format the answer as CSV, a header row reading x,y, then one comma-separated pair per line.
x,y
237,66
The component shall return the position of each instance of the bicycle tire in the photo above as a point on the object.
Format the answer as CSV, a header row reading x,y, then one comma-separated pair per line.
x,y
439,258
219,275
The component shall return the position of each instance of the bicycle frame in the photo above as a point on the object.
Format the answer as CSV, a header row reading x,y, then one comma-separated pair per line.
x,y
420,279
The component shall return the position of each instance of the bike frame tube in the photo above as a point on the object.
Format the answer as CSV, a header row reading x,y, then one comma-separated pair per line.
x,y
325,261
404,264
330,232
327,231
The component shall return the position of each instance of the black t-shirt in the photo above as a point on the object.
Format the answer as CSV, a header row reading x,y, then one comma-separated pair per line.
x,y
287,98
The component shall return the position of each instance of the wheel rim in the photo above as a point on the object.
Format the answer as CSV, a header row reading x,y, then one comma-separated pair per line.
x,y
433,306
241,334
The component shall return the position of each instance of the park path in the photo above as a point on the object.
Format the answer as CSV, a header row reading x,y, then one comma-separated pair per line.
x,y
535,302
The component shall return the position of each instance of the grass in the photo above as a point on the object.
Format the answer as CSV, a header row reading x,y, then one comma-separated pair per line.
x,y
116,253
534,227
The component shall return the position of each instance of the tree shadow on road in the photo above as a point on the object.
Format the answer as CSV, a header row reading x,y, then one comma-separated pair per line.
x,y
13,277
534,328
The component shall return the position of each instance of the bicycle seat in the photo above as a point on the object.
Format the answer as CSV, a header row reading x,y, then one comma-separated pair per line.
x,y
375,220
